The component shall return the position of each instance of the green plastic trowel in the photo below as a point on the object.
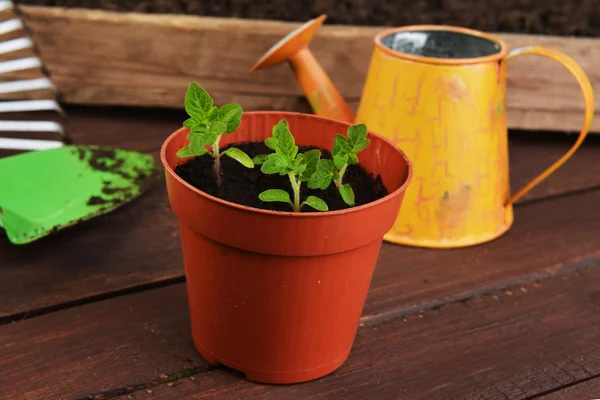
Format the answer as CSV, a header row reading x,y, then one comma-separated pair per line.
x,y
45,191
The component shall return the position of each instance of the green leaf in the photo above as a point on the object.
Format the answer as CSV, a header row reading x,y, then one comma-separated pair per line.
x,y
239,156
184,152
217,128
322,177
347,194
326,165
299,159
275,163
191,123
281,126
230,115
315,203
340,160
197,146
199,130
320,180
340,145
198,103
311,159
285,141
298,168
271,143
211,116
272,195
352,159
209,138
356,134
204,137
260,159
359,146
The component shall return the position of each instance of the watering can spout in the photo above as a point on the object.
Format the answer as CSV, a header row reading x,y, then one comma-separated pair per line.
x,y
321,93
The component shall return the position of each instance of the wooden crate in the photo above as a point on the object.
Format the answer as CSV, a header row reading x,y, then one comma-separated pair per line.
x,y
108,58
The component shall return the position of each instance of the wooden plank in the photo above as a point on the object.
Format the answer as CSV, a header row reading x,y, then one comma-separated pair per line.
x,y
74,265
149,60
135,245
131,128
144,238
127,341
100,347
509,345
587,390
410,279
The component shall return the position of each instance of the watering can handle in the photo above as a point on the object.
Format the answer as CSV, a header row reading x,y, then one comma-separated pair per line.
x,y
588,97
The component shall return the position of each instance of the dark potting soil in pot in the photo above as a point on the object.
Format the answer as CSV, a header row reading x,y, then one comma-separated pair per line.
x,y
242,185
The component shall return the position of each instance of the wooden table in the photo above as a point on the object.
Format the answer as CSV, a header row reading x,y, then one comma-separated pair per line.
x,y
99,311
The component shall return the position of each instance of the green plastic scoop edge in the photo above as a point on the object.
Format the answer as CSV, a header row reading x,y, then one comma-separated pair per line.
x,y
42,192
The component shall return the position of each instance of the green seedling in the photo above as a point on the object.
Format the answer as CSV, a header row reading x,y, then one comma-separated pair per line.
x,y
286,160
344,153
207,123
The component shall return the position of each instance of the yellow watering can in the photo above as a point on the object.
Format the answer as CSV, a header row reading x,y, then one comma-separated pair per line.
x,y
439,93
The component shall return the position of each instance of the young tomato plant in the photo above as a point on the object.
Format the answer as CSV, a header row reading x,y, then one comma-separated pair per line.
x,y
286,160
344,153
207,123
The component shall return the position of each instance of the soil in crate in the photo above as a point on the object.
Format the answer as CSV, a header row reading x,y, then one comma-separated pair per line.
x,y
242,185
549,17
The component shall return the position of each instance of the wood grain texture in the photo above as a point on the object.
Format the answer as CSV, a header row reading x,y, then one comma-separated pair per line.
x,y
149,60
410,279
129,340
510,345
143,237
588,390
138,244
100,347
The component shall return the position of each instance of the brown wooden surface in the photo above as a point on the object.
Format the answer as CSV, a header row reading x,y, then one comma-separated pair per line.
x,y
587,390
109,345
79,255
157,259
133,339
509,345
101,308
149,60
413,279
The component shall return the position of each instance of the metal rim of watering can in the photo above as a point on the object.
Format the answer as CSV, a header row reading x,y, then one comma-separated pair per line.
x,y
501,54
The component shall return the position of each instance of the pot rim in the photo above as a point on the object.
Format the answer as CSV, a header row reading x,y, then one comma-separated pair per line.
x,y
310,214
500,55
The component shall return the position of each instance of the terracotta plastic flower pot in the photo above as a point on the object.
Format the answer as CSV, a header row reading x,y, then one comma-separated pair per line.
x,y
278,295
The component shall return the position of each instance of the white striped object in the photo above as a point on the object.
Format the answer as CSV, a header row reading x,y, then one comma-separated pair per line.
x,y
26,85
31,126
20,64
29,144
15,45
6,5
30,105
11,25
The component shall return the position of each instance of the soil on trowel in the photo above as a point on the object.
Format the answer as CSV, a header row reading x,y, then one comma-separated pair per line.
x,y
242,185
549,17
106,160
